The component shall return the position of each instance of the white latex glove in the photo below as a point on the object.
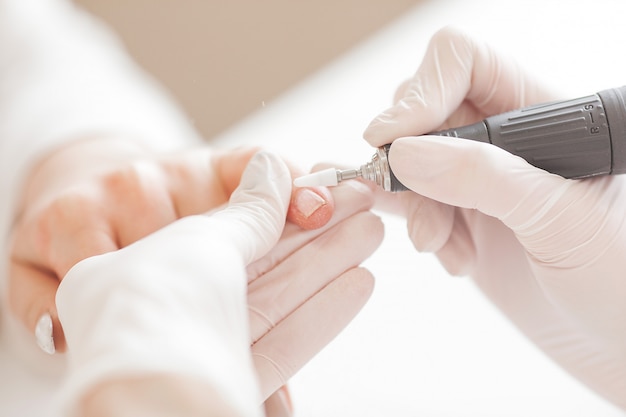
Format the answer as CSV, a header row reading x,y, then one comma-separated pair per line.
x,y
549,252
165,317
309,287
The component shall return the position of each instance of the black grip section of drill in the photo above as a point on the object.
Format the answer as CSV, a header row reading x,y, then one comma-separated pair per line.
x,y
578,138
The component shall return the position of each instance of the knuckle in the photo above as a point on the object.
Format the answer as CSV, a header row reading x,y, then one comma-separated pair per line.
x,y
40,235
185,170
64,209
135,185
128,179
59,218
375,226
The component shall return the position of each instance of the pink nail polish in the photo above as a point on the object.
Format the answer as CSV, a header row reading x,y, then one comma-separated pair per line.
x,y
310,208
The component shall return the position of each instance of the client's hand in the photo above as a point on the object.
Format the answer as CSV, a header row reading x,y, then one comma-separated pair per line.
x,y
161,328
96,196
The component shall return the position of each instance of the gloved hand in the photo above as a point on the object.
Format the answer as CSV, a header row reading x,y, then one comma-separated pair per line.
x,y
161,326
549,252
309,287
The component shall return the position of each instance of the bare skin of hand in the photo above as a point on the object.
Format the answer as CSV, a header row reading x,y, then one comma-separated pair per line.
x,y
98,195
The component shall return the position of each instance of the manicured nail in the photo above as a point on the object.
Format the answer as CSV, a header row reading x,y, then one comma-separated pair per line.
x,y
308,202
44,333
311,208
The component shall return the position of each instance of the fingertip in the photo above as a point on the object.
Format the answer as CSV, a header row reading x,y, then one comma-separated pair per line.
x,y
415,160
409,117
311,207
32,300
361,282
378,132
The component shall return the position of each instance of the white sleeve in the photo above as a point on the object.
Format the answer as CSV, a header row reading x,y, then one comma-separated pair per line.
x,y
173,303
63,77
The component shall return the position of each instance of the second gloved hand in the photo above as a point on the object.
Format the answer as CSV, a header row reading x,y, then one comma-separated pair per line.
x,y
549,252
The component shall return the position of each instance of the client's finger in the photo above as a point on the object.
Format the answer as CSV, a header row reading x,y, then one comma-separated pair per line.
x,y
350,198
31,299
255,216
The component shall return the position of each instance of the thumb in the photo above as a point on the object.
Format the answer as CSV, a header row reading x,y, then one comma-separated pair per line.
x,y
255,216
474,175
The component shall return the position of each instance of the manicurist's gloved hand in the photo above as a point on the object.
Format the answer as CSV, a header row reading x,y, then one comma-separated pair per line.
x,y
161,327
549,252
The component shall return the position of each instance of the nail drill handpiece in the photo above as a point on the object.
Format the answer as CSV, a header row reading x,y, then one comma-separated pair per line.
x,y
577,138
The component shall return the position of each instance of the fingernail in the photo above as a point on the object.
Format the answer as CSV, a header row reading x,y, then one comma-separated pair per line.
x,y
308,202
44,334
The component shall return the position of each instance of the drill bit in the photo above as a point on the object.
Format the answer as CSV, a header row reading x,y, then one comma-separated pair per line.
x,y
377,170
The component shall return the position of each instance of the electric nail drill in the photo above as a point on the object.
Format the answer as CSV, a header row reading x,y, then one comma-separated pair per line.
x,y
577,138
